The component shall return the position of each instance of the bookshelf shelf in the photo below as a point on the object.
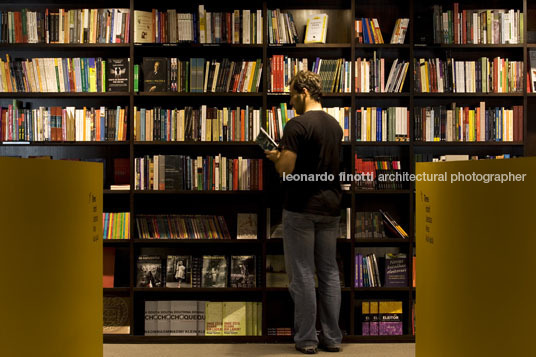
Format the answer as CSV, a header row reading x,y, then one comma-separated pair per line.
x,y
196,143
63,94
191,46
465,95
47,46
113,242
65,143
196,241
285,290
382,241
469,46
210,95
116,192
469,144
115,290
325,95
182,339
382,289
386,95
195,192
381,192
308,46
197,290
381,45
382,143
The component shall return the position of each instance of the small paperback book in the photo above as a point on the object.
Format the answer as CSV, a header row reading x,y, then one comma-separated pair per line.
x,y
246,226
265,141
117,75
179,271
214,273
317,28
154,74
149,272
243,272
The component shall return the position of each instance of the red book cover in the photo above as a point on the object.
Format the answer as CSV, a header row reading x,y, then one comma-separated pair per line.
x,y
108,261
456,22
235,174
464,26
260,174
121,171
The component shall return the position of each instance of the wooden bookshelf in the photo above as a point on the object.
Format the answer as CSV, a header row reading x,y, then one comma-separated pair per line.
x,y
229,203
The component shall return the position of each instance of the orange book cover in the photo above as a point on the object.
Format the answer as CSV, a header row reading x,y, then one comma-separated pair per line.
x,y
108,261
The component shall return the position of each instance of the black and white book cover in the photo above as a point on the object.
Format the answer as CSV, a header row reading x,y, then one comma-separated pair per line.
x,y
149,272
117,74
214,273
154,74
246,226
243,271
179,271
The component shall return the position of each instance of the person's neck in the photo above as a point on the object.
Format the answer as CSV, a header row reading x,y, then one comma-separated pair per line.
x,y
312,105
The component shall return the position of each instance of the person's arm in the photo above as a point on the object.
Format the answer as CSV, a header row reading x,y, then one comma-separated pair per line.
x,y
284,160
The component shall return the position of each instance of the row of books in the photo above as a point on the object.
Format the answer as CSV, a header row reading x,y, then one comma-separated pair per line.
x,y
61,75
377,225
210,173
382,318
203,318
281,27
368,31
477,26
375,173
199,75
370,75
277,117
182,227
382,124
438,123
116,225
168,26
430,157
62,123
203,124
498,75
367,273
335,74
212,26
186,271
65,26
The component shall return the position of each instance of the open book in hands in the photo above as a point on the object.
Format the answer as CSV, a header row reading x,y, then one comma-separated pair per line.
x,y
265,141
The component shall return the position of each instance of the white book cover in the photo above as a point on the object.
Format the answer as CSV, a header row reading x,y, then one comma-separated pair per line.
x,y
317,28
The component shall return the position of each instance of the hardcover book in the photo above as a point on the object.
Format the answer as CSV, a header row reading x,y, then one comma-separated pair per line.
x,y
117,74
154,74
149,272
317,28
246,226
179,271
243,271
213,318
396,270
234,318
214,273
116,315
390,318
143,27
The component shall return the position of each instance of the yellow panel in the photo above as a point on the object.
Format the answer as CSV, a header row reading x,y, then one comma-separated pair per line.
x,y
476,282
52,258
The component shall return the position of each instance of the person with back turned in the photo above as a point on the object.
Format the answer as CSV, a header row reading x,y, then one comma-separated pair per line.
x,y
311,144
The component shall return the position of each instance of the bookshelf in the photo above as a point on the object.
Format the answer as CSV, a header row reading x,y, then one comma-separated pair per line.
x,y
341,43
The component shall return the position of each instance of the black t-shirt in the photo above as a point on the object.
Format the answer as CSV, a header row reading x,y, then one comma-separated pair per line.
x,y
315,137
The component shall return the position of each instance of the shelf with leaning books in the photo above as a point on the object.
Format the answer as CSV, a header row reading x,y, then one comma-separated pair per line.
x,y
385,24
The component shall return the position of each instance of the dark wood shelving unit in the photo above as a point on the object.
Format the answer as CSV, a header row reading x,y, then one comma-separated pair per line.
x,y
136,202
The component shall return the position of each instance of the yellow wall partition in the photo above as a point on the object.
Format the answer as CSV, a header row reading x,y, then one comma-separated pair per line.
x,y
51,258
476,248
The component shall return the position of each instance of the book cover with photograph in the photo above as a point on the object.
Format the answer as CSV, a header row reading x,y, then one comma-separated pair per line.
x,y
243,271
149,272
214,273
154,74
179,271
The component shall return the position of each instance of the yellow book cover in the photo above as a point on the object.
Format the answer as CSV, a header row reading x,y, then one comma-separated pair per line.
x,y
249,318
213,318
317,28
234,318
259,318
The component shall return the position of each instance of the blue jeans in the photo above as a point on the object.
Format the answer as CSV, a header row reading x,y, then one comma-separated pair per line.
x,y
310,240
